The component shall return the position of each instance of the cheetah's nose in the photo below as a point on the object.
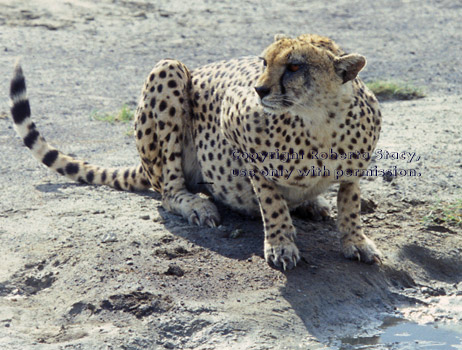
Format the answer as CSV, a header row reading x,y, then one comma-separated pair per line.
x,y
262,91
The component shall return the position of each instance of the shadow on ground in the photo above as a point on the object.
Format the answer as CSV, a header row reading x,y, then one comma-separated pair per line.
x,y
332,296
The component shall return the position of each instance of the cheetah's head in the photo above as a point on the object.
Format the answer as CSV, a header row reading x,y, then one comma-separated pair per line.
x,y
306,72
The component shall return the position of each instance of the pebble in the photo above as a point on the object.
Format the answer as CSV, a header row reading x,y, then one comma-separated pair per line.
x,y
434,292
368,206
158,219
174,270
236,233
388,178
109,237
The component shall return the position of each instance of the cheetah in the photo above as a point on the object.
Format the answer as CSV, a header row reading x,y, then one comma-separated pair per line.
x,y
263,135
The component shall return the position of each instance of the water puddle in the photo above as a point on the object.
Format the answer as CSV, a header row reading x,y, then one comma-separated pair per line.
x,y
401,334
435,326
427,336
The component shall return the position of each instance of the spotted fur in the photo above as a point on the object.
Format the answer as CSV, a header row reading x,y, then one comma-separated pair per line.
x,y
302,96
131,178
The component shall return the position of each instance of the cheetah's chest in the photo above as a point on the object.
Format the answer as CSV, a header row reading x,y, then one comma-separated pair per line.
x,y
284,148
292,153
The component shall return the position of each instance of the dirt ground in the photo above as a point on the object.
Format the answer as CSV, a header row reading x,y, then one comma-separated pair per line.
x,y
86,267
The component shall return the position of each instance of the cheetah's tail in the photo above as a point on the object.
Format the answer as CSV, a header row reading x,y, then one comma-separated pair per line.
x,y
132,178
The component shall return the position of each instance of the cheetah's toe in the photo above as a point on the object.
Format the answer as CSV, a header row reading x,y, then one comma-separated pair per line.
x,y
283,255
363,250
204,213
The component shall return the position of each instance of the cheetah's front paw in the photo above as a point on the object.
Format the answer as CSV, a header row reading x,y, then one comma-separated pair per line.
x,y
362,249
282,254
204,213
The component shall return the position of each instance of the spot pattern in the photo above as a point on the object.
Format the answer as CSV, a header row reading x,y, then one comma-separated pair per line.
x,y
207,130
64,165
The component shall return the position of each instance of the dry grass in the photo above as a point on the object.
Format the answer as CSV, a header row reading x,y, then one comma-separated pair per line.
x,y
125,115
445,213
394,90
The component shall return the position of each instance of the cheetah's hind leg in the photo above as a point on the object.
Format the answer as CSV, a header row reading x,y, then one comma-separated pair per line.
x,y
317,209
162,139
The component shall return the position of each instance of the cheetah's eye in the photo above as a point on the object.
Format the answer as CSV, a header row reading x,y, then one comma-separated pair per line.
x,y
264,61
293,67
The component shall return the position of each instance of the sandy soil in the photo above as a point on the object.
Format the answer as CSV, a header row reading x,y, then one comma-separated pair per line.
x,y
88,267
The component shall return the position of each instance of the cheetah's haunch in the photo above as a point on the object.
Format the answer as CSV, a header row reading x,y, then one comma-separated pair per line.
x,y
196,129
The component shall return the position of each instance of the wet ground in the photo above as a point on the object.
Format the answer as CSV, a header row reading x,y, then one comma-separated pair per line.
x,y
88,267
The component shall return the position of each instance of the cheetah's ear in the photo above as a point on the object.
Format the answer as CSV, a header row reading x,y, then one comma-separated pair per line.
x,y
348,66
280,36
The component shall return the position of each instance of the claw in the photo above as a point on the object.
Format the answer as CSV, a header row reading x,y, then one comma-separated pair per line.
x,y
282,257
272,258
194,220
210,223
201,213
378,260
358,256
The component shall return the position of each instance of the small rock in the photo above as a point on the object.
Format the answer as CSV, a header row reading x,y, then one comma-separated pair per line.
x,y
438,228
379,216
174,270
167,239
109,237
158,219
388,177
164,14
140,15
413,201
368,206
434,292
145,217
236,233
80,307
